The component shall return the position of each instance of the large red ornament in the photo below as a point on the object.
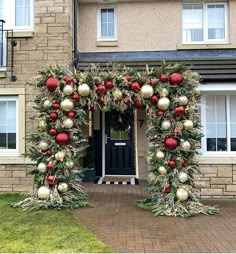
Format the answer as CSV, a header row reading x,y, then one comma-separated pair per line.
x,y
159,113
109,84
154,98
170,143
138,104
163,78
127,77
75,97
51,84
179,110
68,80
101,89
53,115
52,132
127,100
176,79
71,114
153,82
49,152
62,139
135,86
167,188
55,105
171,164
52,180
50,166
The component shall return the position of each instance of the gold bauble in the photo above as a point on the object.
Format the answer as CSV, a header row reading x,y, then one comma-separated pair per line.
x,y
160,155
43,145
84,90
42,125
59,156
166,124
43,192
162,170
63,187
163,103
68,90
42,167
182,177
68,123
146,91
188,125
164,92
117,94
181,194
67,105
69,164
183,100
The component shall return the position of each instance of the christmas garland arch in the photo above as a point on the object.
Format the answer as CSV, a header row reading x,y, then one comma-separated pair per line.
x,y
171,99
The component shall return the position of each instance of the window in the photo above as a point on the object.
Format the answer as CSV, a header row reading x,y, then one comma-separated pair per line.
x,y
107,24
204,22
8,124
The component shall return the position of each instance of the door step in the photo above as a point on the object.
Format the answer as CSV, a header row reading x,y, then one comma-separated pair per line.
x,y
117,180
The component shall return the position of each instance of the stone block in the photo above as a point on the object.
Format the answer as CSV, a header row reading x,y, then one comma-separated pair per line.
x,y
9,181
57,29
225,171
221,180
16,167
44,3
36,55
231,187
29,181
58,9
19,174
218,186
48,20
41,10
5,174
7,188
28,46
203,184
211,192
41,29
22,188
20,56
208,169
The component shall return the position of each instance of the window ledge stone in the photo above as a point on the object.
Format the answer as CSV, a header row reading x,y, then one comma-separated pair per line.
x,y
217,159
20,34
3,74
206,46
107,43
12,160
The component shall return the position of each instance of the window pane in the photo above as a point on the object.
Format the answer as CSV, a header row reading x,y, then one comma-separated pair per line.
x,y
110,29
107,23
23,15
104,29
119,135
103,15
111,15
233,122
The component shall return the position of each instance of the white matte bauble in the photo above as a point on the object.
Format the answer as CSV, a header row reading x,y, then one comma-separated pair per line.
x,y
47,104
62,187
166,124
42,125
181,194
183,100
188,125
117,94
68,90
69,164
59,156
67,105
182,177
68,123
42,167
160,155
163,103
164,92
84,90
186,145
43,192
43,146
146,91
162,170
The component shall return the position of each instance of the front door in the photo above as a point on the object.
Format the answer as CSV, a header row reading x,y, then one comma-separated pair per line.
x,y
119,145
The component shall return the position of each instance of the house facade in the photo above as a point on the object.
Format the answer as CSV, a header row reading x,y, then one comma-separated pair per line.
x,y
198,33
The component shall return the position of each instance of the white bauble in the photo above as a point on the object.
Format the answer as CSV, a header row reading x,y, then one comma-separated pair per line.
x,y
69,164
67,105
104,109
123,107
163,103
160,155
117,94
146,91
59,156
182,177
47,104
84,90
188,125
186,145
181,194
162,170
42,167
68,90
166,124
62,187
42,125
43,192
68,123
43,145
164,92
183,100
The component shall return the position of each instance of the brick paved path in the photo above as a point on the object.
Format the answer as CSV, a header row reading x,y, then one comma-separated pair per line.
x,y
126,228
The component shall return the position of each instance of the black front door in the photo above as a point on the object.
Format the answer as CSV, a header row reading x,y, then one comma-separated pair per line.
x,y
119,145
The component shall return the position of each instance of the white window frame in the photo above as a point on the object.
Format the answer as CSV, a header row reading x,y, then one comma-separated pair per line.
x,y
205,40
223,89
99,37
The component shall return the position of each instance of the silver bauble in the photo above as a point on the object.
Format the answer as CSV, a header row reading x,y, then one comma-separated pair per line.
x,y
84,90
68,90
43,145
146,91
166,124
47,104
67,105
160,155
162,170
69,164
164,92
117,94
43,192
183,100
186,145
42,125
182,177
42,167
163,103
188,125
181,194
68,123
63,187
59,156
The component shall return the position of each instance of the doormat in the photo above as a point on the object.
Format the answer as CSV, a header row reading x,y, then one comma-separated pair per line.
x,y
117,180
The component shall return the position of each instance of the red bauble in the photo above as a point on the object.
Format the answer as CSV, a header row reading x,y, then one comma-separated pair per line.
x,y
167,188
75,97
71,114
53,115
49,152
135,86
62,139
127,77
170,143
101,100
52,180
153,82
163,78
159,113
52,132
55,105
179,110
176,131
154,98
176,79
51,84
138,104
127,100
91,107
171,164
101,89
109,84
50,166
68,80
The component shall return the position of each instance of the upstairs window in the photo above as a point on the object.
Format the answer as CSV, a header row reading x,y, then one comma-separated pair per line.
x,y
204,22
107,26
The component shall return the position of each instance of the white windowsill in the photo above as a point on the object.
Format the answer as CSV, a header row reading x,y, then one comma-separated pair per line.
x,y
217,45
15,160
217,158
107,43
20,34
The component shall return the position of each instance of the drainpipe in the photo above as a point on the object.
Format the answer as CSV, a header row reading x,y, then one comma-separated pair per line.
x,y
75,50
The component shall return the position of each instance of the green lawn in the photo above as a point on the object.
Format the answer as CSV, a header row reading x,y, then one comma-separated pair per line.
x,y
43,231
